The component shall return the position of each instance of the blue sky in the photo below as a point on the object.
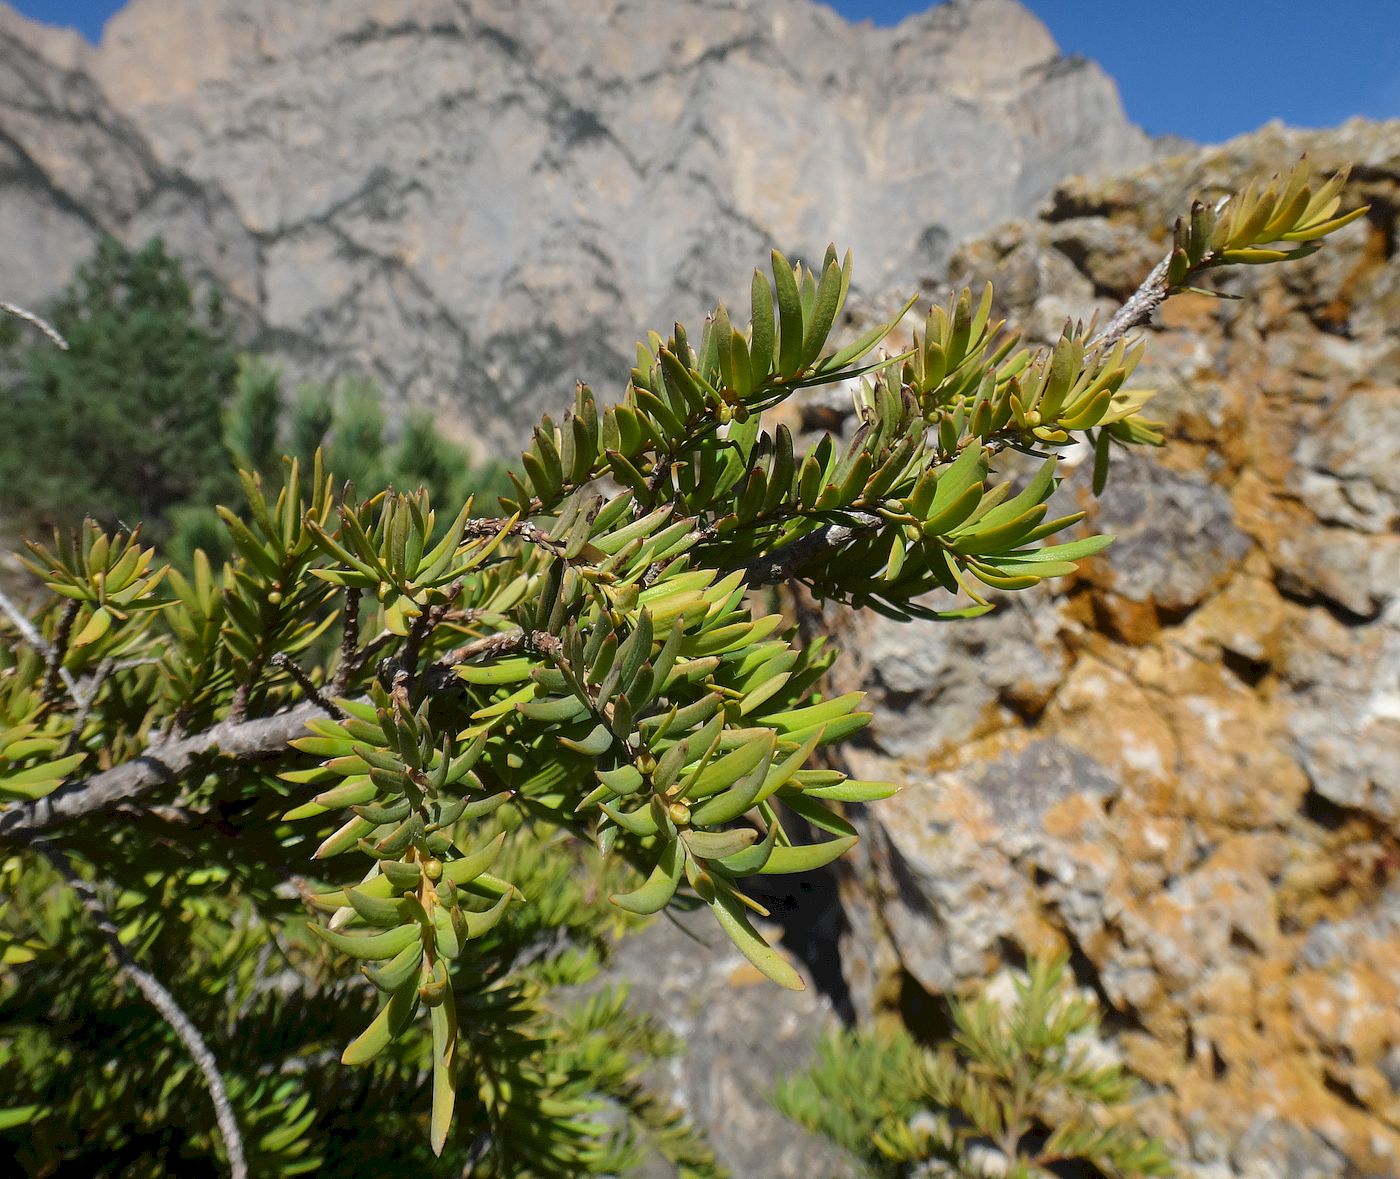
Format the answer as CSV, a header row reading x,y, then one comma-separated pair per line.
x,y
1205,69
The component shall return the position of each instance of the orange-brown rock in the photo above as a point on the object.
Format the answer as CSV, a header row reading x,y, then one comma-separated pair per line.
x,y
1204,801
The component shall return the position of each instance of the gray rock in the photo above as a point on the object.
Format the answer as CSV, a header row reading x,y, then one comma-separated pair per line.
x,y
477,203
1112,256
1273,1148
1348,474
1345,685
741,1034
1176,535
932,683
956,854
1349,469
1354,570
1021,787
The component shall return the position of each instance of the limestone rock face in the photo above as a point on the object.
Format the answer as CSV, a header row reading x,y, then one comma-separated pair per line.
x,y
72,170
740,1037
478,202
1184,766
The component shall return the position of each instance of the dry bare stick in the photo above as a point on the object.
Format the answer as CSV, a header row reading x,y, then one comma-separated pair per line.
x,y
42,324
349,643
58,650
164,1003
86,697
307,685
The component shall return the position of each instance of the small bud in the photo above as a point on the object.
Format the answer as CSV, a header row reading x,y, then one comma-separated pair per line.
x,y
432,868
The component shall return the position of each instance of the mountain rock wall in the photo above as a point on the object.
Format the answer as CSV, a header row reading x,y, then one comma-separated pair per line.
x,y
73,170
477,202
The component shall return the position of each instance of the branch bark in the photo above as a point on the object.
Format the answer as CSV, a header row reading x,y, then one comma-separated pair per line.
x,y
308,686
164,1002
58,649
162,764
790,559
1154,290
1140,307
159,765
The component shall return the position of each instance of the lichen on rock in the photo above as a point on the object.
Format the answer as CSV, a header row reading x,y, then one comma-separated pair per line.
x,y
1202,800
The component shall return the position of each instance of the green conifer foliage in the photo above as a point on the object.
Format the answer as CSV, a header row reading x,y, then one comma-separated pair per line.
x,y
253,420
375,788
127,419
347,422
1015,1091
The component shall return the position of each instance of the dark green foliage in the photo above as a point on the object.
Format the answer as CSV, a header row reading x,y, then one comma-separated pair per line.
x,y
312,416
276,1010
148,414
470,749
355,446
253,422
1015,1092
347,424
124,426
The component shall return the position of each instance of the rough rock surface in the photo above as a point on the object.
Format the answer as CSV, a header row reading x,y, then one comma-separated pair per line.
x,y
687,974
478,201
72,170
1185,766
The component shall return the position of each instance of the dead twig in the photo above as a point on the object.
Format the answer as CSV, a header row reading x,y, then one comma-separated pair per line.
x,y
164,1002
30,634
86,696
349,643
1140,306
53,676
37,321
423,626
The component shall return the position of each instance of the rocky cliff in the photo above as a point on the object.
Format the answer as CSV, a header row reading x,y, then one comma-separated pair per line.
x,y
1186,763
479,201
73,169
